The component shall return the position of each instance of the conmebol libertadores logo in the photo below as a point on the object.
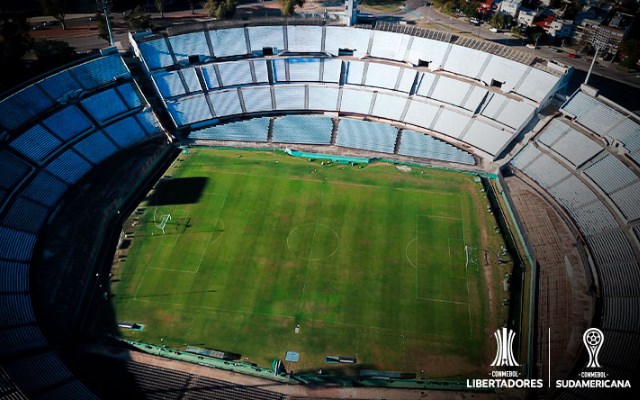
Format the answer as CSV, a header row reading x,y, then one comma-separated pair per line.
x,y
508,378
504,350
593,339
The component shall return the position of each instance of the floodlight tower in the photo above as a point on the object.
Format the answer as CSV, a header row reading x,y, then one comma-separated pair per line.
x,y
601,39
105,6
351,12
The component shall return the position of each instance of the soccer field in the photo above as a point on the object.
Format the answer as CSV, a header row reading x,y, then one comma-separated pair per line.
x,y
369,262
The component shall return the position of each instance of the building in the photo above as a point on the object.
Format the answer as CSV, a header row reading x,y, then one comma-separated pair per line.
x,y
526,17
510,7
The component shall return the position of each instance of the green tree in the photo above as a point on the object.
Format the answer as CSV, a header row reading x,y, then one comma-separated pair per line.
x,y
101,22
160,7
220,9
137,19
54,53
57,9
629,51
287,6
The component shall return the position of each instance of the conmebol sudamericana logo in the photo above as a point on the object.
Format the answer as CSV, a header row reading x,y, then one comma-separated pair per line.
x,y
504,350
593,339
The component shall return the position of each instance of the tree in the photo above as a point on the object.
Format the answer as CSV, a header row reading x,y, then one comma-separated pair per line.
x,y
15,41
57,9
160,7
220,9
137,19
192,6
103,31
287,6
54,53
629,51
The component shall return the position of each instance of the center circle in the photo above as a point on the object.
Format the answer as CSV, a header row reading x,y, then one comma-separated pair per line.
x,y
313,241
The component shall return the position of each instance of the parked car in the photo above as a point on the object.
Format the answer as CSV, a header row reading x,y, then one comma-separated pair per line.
x,y
494,30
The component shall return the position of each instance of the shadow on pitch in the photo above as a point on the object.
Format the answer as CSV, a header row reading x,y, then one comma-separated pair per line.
x,y
171,191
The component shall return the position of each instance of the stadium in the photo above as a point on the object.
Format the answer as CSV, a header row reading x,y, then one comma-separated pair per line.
x,y
211,197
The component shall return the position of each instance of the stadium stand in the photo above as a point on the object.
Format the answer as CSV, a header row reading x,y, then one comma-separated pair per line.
x,y
189,110
302,129
257,99
289,97
235,73
60,127
228,42
261,37
603,120
356,101
226,102
304,39
372,136
252,130
569,143
417,144
323,98
36,143
610,174
60,142
68,123
189,44
156,53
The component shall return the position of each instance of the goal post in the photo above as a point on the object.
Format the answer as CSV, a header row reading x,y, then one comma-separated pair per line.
x,y
165,220
468,255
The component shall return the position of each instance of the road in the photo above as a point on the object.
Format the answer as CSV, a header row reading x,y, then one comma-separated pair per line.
x,y
81,33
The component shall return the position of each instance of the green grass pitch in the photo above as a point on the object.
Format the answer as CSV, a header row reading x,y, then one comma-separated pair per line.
x,y
369,262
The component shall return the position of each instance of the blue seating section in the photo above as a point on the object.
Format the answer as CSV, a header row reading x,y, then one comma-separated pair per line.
x,y
169,83
257,99
302,129
228,42
16,245
189,110
20,338
149,122
20,107
226,102
289,97
252,130
39,372
13,170
28,103
156,53
61,85
125,132
417,144
68,123
235,73
15,217
372,136
96,148
36,143
101,71
14,277
69,166
104,105
16,310
45,188
189,44
210,77
130,95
